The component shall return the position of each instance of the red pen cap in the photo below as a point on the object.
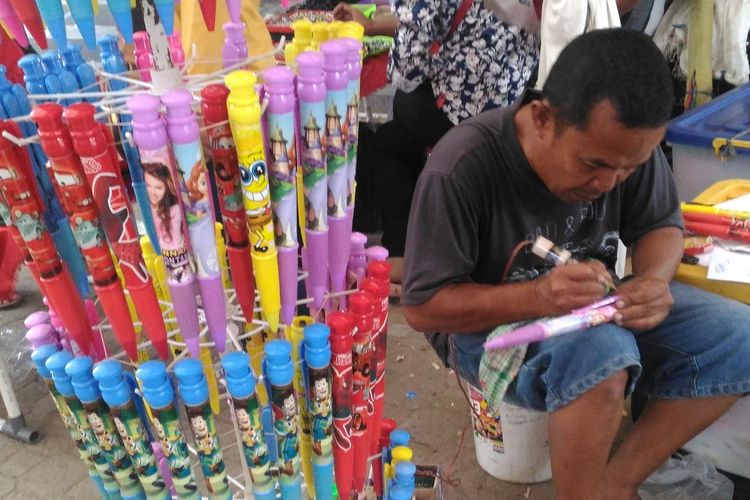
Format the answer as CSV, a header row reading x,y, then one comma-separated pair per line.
x,y
361,304
79,116
341,325
379,270
214,103
377,289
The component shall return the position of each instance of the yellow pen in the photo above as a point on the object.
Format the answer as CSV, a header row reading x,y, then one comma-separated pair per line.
x,y
351,29
296,337
711,210
302,33
320,33
244,112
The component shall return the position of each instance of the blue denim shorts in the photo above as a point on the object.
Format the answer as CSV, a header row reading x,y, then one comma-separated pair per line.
x,y
702,349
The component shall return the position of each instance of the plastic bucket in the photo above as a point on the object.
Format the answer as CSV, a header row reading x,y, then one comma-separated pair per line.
x,y
513,446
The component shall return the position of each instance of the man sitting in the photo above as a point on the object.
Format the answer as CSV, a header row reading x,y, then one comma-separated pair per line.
x,y
580,165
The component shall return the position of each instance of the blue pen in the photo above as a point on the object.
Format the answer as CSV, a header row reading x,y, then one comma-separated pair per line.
x,y
96,433
54,19
104,481
120,10
118,394
84,72
241,386
57,79
280,372
159,394
83,14
318,383
165,8
114,63
194,393
15,103
405,472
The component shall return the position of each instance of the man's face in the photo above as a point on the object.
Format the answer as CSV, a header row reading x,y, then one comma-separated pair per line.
x,y
580,165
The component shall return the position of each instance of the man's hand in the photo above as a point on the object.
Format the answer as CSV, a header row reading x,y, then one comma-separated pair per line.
x,y
645,303
572,286
345,12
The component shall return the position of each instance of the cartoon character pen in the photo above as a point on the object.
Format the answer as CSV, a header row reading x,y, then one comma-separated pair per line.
x,y
318,382
109,193
282,163
29,15
73,376
165,423
377,284
118,394
586,317
150,134
335,137
54,19
104,480
84,219
280,372
311,90
194,393
25,212
241,385
114,62
353,70
244,117
296,336
227,175
362,307
182,128
342,328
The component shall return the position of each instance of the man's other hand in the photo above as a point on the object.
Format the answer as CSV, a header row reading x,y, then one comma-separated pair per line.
x,y
645,303
572,286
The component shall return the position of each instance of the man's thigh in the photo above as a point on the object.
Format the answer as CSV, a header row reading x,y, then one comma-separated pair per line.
x,y
702,349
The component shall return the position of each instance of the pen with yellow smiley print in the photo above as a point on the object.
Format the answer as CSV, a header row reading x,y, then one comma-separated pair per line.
x,y
244,111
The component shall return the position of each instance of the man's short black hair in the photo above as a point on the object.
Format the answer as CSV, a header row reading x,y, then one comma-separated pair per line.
x,y
619,65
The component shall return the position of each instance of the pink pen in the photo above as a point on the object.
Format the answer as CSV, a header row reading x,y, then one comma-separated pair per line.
x,y
233,6
235,45
176,52
143,58
579,319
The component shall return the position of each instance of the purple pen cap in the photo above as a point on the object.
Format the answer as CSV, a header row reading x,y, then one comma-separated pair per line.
x,y
234,31
376,254
334,52
353,49
180,113
40,335
310,67
145,109
36,318
279,80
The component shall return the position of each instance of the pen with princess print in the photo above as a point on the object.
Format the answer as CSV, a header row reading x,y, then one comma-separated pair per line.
x,y
182,128
161,175
227,175
25,213
351,119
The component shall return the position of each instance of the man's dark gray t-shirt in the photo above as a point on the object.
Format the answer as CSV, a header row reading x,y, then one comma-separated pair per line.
x,y
478,198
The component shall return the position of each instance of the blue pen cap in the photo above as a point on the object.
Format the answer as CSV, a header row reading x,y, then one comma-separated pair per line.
x,y
4,82
33,73
240,377
56,365
79,370
71,57
191,382
40,356
399,437
52,62
398,492
107,45
114,387
279,367
317,347
405,472
156,387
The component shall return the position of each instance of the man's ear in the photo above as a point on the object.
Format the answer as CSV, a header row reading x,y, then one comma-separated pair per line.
x,y
543,119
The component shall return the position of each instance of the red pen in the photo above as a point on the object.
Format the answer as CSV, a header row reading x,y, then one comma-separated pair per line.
x,y
84,220
109,193
227,175
342,327
377,283
22,200
18,239
91,140
719,231
720,220
362,308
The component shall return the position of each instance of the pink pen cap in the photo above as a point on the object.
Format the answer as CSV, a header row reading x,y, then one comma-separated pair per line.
x,y
376,254
40,335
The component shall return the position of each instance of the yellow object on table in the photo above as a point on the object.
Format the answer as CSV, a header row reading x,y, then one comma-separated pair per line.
x,y
697,275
